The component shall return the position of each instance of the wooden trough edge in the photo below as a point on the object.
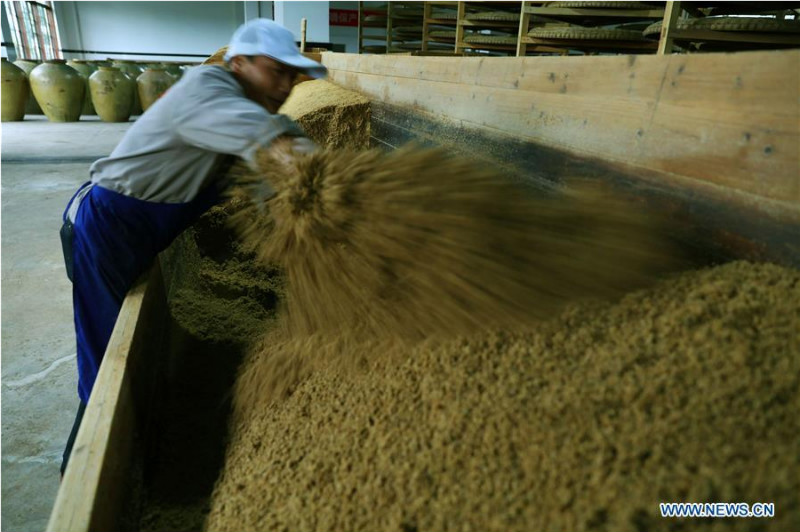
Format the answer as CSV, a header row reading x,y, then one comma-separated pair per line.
x,y
709,227
725,123
711,141
98,480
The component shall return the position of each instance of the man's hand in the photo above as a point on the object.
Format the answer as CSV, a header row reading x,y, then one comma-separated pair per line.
x,y
279,158
303,145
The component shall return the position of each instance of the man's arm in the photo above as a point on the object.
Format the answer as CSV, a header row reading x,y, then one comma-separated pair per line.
x,y
215,115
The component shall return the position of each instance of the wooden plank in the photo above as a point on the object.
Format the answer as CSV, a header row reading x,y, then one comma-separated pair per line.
x,y
580,44
461,13
389,10
593,12
524,23
426,16
736,36
710,229
93,490
360,26
316,56
730,121
628,77
533,45
489,23
671,15
485,46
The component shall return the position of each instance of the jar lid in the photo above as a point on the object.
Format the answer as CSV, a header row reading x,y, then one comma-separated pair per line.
x,y
56,61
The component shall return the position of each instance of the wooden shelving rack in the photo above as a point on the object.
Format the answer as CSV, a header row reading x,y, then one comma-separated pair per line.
x,y
434,19
465,22
364,26
449,23
678,12
582,17
397,17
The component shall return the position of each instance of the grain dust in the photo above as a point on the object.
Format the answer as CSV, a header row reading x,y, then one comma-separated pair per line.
x,y
416,242
686,391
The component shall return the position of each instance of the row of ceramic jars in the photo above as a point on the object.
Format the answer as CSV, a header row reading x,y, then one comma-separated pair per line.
x,y
66,90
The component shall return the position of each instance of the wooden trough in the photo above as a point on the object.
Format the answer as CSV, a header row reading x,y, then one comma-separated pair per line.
x,y
711,140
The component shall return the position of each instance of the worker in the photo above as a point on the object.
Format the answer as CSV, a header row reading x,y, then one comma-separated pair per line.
x,y
166,171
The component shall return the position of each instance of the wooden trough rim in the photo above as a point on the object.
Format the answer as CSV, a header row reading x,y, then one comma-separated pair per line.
x,y
92,488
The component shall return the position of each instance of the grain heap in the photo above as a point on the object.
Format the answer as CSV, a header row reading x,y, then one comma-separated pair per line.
x,y
413,382
217,58
219,294
684,392
330,115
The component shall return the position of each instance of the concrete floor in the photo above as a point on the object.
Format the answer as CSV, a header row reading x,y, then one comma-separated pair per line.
x,y
43,163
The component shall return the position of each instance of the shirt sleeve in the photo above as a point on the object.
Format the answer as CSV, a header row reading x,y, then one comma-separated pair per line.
x,y
214,114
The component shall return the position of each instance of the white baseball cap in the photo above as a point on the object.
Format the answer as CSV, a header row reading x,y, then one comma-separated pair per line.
x,y
262,36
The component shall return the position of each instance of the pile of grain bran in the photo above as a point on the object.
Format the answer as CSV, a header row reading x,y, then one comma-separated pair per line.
x,y
452,355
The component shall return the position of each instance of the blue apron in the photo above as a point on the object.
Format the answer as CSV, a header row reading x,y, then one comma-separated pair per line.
x,y
115,238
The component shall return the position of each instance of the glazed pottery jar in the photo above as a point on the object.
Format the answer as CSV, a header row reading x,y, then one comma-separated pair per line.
x,y
112,94
173,70
86,69
32,107
152,84
15,92
133,72
58,89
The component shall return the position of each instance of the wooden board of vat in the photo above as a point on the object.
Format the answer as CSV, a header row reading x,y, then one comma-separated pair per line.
x,y
100,477
713,140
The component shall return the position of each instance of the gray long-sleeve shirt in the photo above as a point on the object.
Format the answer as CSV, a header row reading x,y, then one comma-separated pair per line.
x,y
171,152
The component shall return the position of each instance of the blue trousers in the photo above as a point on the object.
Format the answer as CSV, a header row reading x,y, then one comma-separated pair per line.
x,y
115,238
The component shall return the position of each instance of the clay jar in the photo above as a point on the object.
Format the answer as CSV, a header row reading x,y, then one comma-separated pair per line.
x,y
173,70
59,90
15,92
112,94
152,84
130,69
86,70
32,107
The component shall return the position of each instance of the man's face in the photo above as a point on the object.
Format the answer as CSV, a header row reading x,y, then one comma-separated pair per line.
x,y
265,81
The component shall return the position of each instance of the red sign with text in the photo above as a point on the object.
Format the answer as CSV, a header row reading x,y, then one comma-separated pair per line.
x,y
343,17
348,17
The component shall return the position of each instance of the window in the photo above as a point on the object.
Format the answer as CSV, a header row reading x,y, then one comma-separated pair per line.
x,y
33,27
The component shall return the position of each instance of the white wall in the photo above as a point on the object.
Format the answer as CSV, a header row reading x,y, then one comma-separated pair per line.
x,y
267,10
254,9
120,29
127,29
346,35
289,15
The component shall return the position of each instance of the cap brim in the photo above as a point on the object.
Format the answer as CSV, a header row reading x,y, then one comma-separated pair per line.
x,y
305,65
